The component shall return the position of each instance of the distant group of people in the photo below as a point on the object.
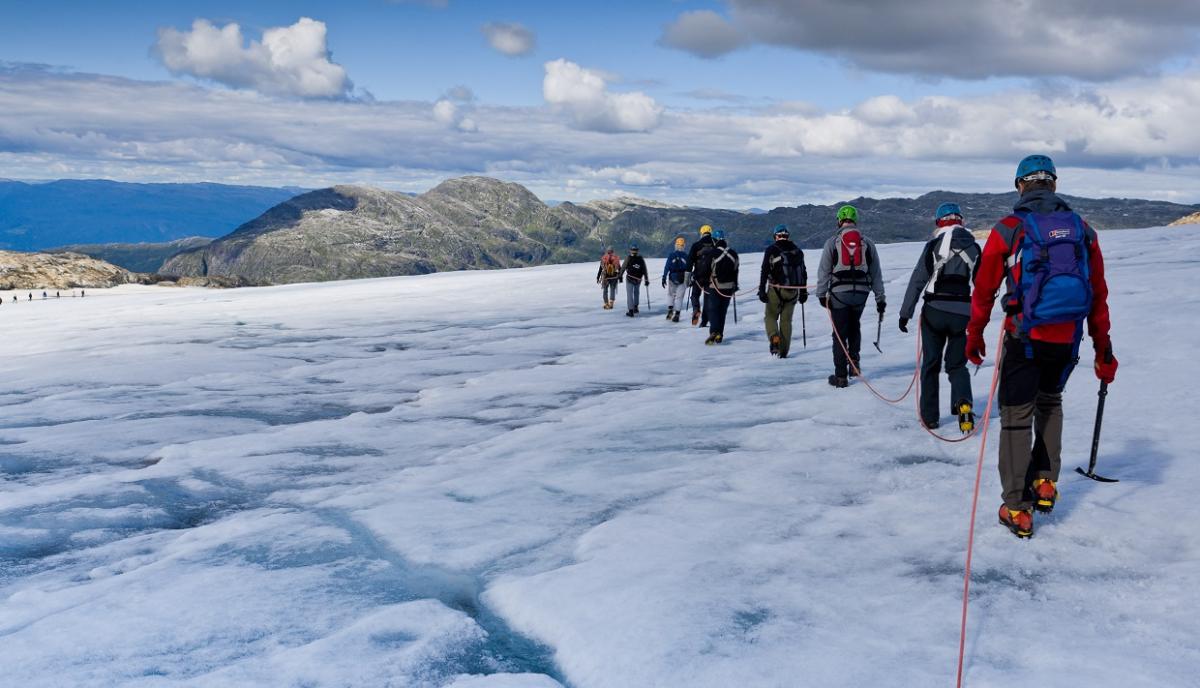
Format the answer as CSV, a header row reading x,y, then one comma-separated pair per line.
x,y
46,295
1044,252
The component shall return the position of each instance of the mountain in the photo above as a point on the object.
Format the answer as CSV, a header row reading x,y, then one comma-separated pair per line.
x,y
476,222
44,215
142,257
19,270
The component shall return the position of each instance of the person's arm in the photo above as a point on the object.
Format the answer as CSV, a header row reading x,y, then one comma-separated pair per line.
x,y
876,277
764,275
916,283
825,270
1098,320
989,274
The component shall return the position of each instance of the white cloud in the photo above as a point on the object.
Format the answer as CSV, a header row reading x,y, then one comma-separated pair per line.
x,y
1132,138
510,39
704,33
1095,40
584,94
291,60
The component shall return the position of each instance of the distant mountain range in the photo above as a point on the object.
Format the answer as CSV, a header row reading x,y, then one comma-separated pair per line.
x,y
36,216
476,222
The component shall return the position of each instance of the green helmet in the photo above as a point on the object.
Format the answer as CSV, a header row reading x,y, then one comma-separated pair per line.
x,y
847,213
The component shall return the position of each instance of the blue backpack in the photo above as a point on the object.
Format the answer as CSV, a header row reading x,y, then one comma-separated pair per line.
x,y
677,267
1054,287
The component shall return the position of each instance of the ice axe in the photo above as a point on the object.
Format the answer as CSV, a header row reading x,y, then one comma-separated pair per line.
x,y
1091,471
803,326
879,333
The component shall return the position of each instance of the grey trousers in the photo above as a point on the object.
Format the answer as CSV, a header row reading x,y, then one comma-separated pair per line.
x,y
610,290
676,294
632,290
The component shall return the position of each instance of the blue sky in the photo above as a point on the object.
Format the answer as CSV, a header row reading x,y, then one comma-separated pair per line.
x,y
749,102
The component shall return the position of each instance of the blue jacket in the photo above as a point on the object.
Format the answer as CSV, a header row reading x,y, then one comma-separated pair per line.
x,y
680,259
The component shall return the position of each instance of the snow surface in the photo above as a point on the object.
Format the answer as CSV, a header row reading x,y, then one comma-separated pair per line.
x,y
484,480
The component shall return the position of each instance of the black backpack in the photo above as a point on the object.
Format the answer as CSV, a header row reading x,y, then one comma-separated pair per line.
x,y
787,267
953,270
724,267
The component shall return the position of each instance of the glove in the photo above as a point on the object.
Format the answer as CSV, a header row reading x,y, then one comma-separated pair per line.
x,y
762,295
1106,366
904,325
647,283
664,286
824,301
881,306
975,348
620,280
803,296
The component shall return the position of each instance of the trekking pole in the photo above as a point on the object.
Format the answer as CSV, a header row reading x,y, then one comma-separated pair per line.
x,y
1091,471
649,308
803,326
879,334
734,299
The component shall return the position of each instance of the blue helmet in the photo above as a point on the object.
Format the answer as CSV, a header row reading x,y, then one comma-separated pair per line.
x,y
718,234
1036,163
782,231
633,247
947,209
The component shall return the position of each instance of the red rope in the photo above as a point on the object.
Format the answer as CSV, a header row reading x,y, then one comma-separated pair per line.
x,y
987,417
857,371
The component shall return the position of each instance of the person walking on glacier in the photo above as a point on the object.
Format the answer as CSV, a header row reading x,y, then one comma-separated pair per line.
x,y
675,273
848,274
1050,259
705,242
942,277
718,270
635,273
608,276
781,286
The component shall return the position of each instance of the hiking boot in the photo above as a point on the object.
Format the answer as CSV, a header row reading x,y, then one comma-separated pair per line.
x,y
695,318
676,318
629,313
783,354
1019,523
712,339
839,382
670,312
1045,494
635,309
775,345
931,424
966,418
719,337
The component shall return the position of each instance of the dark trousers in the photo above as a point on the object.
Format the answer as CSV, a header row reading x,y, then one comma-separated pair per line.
x,y
848,321
717,307
1031,416
943,332
696,292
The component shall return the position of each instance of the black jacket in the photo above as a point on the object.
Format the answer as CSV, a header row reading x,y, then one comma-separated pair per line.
x,y
770,256
705,242
635,268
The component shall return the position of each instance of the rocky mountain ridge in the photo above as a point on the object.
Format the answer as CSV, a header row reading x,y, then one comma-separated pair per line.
x,y
347,232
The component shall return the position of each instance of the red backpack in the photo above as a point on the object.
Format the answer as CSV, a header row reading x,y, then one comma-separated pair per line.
x,y
851,267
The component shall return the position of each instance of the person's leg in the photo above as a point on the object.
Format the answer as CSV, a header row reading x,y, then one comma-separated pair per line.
x,y
956,360
695,298
705,310
787,307
932,343
1055,362
771,314
1019,376
718,306
841,324
855,327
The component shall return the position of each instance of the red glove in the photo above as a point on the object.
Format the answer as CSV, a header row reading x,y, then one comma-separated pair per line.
x,y
1106,366
975,348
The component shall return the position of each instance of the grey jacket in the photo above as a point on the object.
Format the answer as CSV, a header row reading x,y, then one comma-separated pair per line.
x,y
962,240
849,294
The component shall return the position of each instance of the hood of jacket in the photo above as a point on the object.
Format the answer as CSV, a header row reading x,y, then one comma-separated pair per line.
x,y
1041,201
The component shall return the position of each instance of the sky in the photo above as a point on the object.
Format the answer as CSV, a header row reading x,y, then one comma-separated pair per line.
x,y
731,103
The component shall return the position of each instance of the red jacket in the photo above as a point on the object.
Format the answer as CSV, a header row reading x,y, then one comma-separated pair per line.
x,y
1005,238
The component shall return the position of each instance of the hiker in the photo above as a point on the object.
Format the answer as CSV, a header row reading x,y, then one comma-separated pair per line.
x,y
943,277
675,272
699,317
608,276
720,274
44,295
1054,270
781,286
849,273
635,273
57,295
